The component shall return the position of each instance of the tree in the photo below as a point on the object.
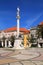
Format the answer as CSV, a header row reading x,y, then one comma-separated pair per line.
x,y
40,31
12,39
32,39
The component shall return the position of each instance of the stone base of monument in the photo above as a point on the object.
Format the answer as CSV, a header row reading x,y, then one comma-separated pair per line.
x,y
18,44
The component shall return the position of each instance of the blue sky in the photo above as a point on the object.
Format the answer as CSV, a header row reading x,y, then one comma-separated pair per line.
x,y
31,13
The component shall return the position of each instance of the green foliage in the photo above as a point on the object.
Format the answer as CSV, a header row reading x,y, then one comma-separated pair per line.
x,y
12,38
32,40
3,38
40,31
22,43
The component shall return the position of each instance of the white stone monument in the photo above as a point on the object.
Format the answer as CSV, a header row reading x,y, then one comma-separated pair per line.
x,y
18,19
17,44
18,41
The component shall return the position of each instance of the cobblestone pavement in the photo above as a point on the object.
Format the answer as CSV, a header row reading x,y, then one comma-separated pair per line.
x,y
30,56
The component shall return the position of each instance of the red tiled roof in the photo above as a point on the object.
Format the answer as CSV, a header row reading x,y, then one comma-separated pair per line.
x,y
41,23
15,29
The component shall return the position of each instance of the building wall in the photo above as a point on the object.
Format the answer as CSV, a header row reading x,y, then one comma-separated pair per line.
x,y
8,34
33,32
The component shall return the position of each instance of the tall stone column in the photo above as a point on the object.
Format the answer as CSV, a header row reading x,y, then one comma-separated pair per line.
x,y
18,19
18,41
17,28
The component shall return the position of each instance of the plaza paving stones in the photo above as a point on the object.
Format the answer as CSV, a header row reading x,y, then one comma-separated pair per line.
x,y
25,54
16,63
30,56
27,63
38,62
23,63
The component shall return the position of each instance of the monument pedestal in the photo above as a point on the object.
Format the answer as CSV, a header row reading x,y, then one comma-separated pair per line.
x,y
18,44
